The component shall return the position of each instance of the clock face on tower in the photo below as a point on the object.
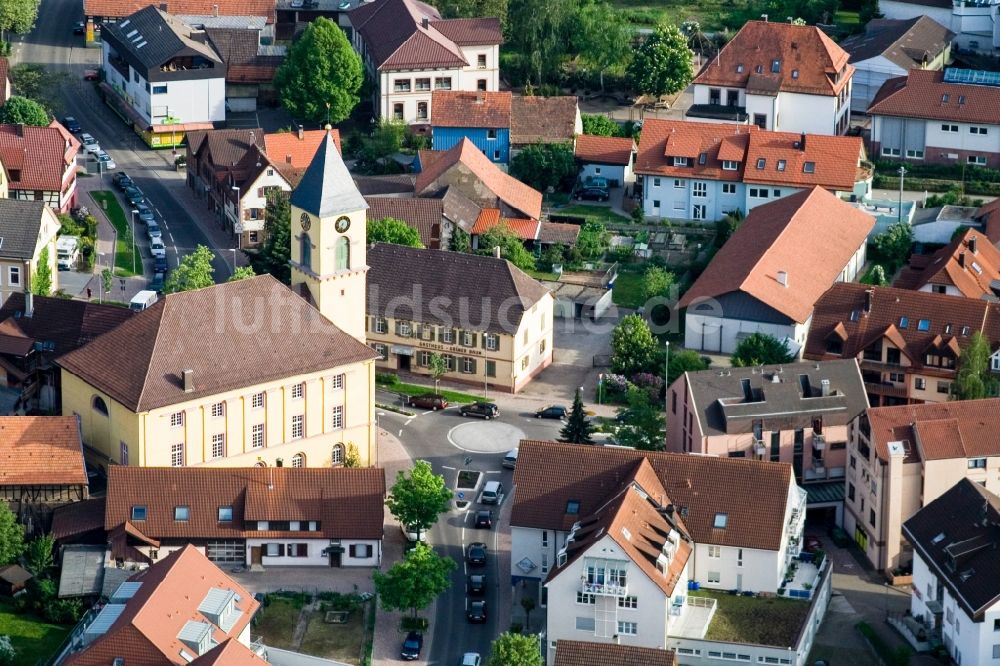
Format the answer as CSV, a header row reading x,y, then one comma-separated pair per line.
x,y
342,224
306,222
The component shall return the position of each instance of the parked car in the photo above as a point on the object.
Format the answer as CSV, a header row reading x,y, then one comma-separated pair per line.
x,y
134,195
484,519
89,143
510,460
71,123
428,401
157,248
551,412
476,554
157,283
410,533
122,180
471,659
144,212
477,612
811,543
153,229
592,194
476,585
91,75
160,265
412,645
79,28
492,492
486,410
105,160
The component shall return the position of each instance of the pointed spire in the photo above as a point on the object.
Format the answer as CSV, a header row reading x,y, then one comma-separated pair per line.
x,y
327,188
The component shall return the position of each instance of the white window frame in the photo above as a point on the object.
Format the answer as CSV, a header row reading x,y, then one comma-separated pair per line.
x,y
730,165
699,188
218,446
337,382
218,410
729,188
381,325
177,420
337,417
714,577
680,161
177,455
298,426
492,341
628,628
298,391
680,184
13,276
257,401
257,434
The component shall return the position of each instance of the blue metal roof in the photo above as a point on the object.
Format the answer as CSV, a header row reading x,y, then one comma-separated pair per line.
x,y
327,188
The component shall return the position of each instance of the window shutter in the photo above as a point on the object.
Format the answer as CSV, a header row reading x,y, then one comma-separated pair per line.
x,y
353,551
473,366
281,550
475,340
368,550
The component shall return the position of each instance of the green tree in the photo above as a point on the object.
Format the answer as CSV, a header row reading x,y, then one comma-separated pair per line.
x,y
662,64
603,38
593,241
577,429
596,124
41,281
545,165
632,345
475,9
391,230
413,583
8,655
11,536
352,459
385,141
242,273
684,360
511,247
515,650
656,282
321,75
438,368
277,251
541,31
727,226
418,499
195,271
892,246
38,83
642,422
528,604
23,111
460,241
107,278
38,554
18,16
760,349
974,379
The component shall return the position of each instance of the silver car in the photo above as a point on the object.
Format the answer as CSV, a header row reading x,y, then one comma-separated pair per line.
x,y
105,160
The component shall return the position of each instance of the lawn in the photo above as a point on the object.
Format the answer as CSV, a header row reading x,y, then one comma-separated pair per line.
x,y
627,292
34,639
416,389
650,12
340,642
738,619
125,263
593,213
276,622
542,275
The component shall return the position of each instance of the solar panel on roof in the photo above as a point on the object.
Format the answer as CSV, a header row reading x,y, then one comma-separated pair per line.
x,y
973,76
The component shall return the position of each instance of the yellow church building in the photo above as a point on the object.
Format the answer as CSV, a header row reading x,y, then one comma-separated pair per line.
x,y
245,373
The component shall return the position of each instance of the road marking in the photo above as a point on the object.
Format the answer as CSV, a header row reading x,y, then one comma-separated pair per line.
x,y
494,472
400,433
446,467
408,422
171,238
429,411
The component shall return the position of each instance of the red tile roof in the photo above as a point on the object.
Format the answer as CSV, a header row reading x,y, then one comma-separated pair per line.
x,y
834,159
792,235
746,61
229,653
471,109
71,521
604,149
586,653
41,450
922,93
956,265
169,596
661,140
43,157
544,119
936,431
123,8
558,232
490,217
67,324
292,152
424,215
466,157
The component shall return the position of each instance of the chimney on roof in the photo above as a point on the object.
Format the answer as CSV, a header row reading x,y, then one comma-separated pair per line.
x,y
764,18
288,159
961,258
188,375
868,299
802,142
29,304
480,98
824,387
426,23
302,133
972,244
163,6
783,278
215,10
496,252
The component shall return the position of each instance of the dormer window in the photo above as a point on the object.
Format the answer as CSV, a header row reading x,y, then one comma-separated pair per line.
x,y
680,161
775,66
139,512
721,520
573,507
809,167
702,158
730,165
944,98
761,163
781,165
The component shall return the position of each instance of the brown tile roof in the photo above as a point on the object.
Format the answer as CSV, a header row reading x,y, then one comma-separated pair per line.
x,y
454,108
292,152
169,596
424,215
238,50
604,149
753,494
585,653
951,320
921,95
972,273
347,502
222,150
661,140
455,283
461,210
786,235
41,450
401,183
74,520
500,186
835,160
139,363
490,217
52,151
544,119
470,31
123,8
935,431
67,324
907,43
753,49
558,232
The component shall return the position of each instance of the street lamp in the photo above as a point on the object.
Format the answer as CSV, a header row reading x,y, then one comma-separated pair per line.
x,y
600,387
100,279
134,211
902,176
378,415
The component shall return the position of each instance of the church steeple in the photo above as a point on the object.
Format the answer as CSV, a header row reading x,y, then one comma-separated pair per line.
x,y
328,230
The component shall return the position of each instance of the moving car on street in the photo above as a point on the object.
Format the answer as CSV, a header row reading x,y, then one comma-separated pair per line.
x,y
476,554
476,585
551,412
71,123
484,519
428,401
485,410
477,612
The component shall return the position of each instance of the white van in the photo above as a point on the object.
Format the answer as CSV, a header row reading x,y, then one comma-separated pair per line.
x,y
510,460
492,492
143,300
67,252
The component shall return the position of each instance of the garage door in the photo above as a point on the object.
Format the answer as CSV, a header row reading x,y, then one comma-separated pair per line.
x,y
241,104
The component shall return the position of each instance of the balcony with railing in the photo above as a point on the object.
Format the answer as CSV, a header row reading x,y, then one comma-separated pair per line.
x,y
693,617
604,577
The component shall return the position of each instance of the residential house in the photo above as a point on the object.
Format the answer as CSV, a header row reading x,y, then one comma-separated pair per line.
x,y
903,458
988,217
28,230
50,173
212,155
907,342
489,218
183,609
972,21
409,51
892,47
250,57
253,517
495,330
778,76
162,76
956,593
770,274
937,117
34,330
293,152
100,12
609,157
484,118
967,266
544,120
425,215
796,413
702,171
42,460
159,390
245,192
584,653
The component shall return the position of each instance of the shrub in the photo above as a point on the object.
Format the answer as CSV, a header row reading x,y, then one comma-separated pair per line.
x,y
615,383
386,378
516,627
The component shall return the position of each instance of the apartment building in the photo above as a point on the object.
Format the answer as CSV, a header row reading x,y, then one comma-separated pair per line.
x,y
938,117
907,342
778,76
903,458
796,413
252,517
39,165
769,275
968,266
956,594
491,322
972,21
28,230
409,52
702,171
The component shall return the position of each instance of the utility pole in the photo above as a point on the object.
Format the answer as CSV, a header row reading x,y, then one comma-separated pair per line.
x,y
902,176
